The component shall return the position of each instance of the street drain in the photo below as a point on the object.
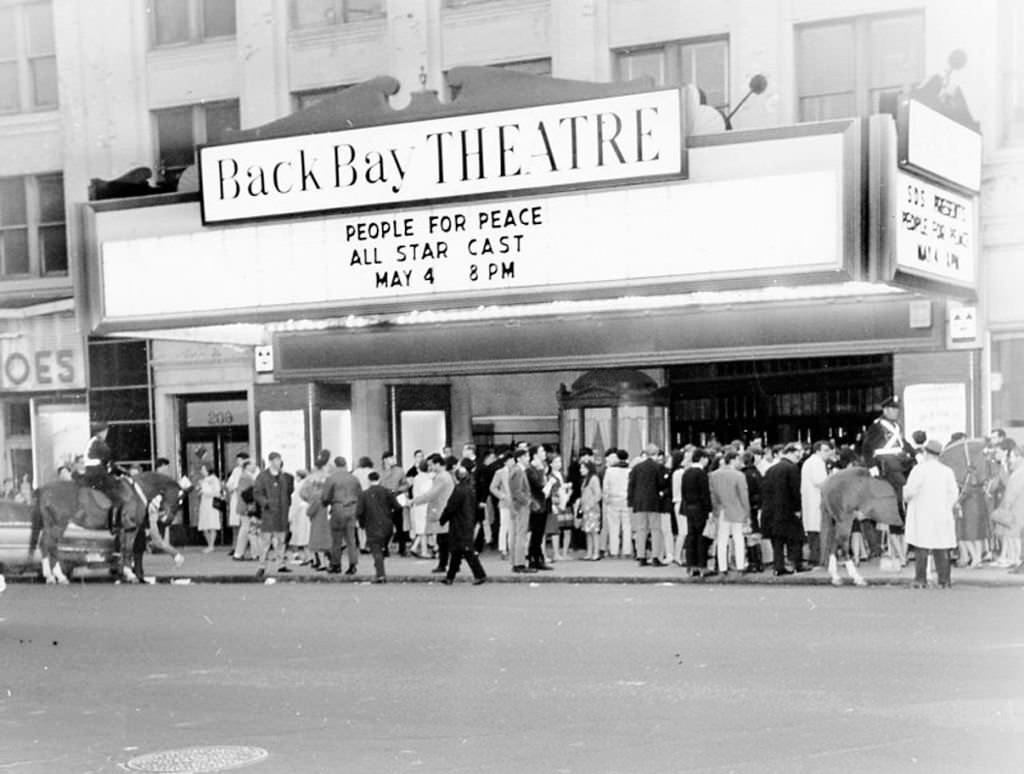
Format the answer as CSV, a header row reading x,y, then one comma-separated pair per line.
x,y
197,760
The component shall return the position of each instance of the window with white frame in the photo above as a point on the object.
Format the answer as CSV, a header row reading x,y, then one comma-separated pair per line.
x,y
844,66
703,62
318,13
28,60
180,129
33,240
175,22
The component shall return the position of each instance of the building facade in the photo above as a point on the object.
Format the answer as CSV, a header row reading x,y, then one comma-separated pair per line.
x,y
120,84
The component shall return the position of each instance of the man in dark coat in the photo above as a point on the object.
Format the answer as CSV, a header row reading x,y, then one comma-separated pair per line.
x,y
643,496
780,510
753,476
536,478
272,493
341,494
376,511
695,492
460,516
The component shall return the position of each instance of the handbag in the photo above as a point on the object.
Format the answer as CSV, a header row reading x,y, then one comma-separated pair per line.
x,y
711,527
220,503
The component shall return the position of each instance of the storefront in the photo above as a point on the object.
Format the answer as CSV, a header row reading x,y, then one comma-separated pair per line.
x,y
421,278
45,421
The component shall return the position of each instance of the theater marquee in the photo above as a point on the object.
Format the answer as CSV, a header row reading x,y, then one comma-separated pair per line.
x,y
568,145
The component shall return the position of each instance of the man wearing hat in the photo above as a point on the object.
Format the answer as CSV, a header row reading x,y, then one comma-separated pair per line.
x,y
931,493
886,452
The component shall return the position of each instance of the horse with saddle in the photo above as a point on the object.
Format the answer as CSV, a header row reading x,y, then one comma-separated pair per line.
x,y
853,495
130,508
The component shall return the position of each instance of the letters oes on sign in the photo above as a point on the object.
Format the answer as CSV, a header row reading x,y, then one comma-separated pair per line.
x,y
42,368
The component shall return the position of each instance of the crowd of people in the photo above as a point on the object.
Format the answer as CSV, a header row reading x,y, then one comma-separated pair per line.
x,y
713,510
733,508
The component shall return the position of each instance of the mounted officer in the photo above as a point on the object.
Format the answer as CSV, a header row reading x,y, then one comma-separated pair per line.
x,y
99,468
887,454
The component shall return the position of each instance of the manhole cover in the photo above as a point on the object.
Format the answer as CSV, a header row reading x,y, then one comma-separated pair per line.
x,y
196,760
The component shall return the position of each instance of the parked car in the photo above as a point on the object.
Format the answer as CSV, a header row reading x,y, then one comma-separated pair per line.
x,y
78,547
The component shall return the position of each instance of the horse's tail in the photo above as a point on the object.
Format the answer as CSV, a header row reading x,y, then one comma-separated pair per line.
x,y
37,523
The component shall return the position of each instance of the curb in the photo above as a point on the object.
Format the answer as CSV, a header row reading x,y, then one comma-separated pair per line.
x,y
538,579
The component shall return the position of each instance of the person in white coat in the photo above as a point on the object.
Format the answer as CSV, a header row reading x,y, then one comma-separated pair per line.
x,y
812,478
931,494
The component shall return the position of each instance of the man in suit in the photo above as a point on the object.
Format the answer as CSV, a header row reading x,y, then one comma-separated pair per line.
x,y
376,512
780,510
695,494
341,494
435,499
643,495
519,511
731,501
536,479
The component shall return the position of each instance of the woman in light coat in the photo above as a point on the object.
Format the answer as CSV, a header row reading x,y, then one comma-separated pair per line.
x,y
209,517
931,494
422,544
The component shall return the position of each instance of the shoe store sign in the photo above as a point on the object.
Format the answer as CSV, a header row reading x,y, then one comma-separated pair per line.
x,y
40,354
602,141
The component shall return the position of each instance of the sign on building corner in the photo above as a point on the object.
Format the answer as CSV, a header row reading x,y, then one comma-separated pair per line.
x,y
263,358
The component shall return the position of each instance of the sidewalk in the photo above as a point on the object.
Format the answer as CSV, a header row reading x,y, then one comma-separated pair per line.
x,y
218,567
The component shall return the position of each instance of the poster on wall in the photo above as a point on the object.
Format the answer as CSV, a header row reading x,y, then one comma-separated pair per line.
x,y
284,432
58,436
938,409
336,433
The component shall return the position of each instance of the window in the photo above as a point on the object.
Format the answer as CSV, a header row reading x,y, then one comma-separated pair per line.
x,y
703,63
843,67
310,97
191,21
179,130
33,241
317,13
120,393
28,62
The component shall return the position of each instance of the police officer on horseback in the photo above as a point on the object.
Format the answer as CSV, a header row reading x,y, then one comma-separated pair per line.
x,y
99,468
886,452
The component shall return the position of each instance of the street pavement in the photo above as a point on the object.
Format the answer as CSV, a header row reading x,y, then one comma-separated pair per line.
x,y
218,567
527,677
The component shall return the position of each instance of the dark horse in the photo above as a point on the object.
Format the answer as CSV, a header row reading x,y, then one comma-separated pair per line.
x,y
66,502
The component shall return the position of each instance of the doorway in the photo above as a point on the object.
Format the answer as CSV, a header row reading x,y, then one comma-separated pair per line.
x,y
214,429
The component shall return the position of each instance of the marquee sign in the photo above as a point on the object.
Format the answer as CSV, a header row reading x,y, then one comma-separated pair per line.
x,y
674,232
935,232
568,145
935,145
